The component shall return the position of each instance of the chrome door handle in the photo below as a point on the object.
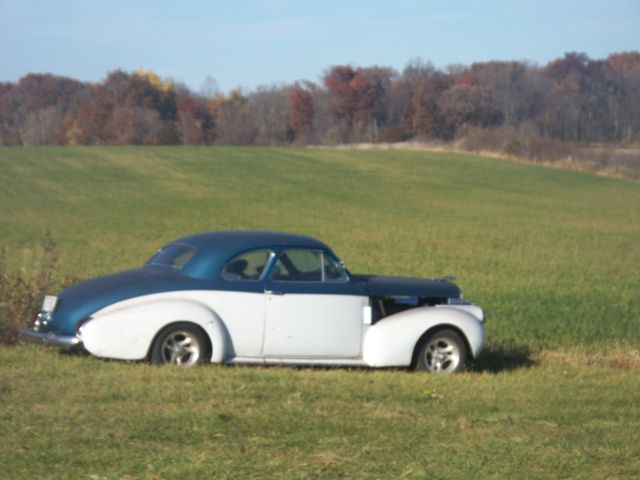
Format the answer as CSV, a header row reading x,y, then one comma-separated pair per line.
x,y
273,292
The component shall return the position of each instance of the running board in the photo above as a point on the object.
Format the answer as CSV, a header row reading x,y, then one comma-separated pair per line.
x,y
353,362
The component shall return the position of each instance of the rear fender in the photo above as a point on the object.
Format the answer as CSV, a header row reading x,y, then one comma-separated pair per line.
x,y
127,329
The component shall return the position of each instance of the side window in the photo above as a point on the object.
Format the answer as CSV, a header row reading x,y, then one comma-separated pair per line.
x,y
334,271
246,266
297,265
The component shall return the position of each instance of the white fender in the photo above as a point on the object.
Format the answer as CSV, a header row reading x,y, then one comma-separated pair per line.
x,y
126,329
391,341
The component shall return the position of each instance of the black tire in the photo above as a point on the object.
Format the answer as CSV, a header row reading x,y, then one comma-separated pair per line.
x,y
442,352
183,344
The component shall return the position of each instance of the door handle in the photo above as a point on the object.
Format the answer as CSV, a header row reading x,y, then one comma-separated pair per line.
x,y
273,292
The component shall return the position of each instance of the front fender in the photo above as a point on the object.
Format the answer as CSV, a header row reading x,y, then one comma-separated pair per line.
x,y
126,330
391,341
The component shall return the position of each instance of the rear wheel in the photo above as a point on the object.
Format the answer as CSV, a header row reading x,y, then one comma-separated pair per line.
x,y
181,344
442,352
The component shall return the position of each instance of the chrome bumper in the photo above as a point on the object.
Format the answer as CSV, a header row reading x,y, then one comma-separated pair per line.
x,y
63,342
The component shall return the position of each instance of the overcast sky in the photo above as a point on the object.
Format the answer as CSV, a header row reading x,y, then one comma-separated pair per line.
x,y
257,42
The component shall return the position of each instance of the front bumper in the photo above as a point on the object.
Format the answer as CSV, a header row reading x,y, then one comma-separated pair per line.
x,y
64,342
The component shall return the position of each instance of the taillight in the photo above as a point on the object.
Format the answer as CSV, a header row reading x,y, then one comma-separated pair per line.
x,y
40,319
81,322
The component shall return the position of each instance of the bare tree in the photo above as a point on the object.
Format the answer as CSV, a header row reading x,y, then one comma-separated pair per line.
x,y
571,99
136,126
268,110
43,126
209,87
233,125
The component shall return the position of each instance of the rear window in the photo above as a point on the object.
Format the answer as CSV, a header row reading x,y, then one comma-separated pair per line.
x,y
175,255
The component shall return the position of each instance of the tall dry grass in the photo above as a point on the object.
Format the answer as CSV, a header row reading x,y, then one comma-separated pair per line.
x,y
22,289
526,143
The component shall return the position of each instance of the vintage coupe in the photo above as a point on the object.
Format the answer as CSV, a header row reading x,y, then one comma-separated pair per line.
x,y
262,297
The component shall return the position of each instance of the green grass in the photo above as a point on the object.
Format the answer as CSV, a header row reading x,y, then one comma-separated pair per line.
x,y
78,417
551,255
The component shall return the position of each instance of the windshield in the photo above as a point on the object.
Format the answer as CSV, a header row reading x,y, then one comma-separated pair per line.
x,y
175,255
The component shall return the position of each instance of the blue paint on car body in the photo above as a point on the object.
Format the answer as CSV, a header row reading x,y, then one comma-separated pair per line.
x,y
400,286
81,300
211,251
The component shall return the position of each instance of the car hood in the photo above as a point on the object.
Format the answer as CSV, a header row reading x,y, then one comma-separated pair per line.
x,y
83,299
380,286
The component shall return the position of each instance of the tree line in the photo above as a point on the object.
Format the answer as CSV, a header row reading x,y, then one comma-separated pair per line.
x,y
571,99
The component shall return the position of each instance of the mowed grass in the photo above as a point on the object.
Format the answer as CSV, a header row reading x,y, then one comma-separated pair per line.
x,y
551,255
79,417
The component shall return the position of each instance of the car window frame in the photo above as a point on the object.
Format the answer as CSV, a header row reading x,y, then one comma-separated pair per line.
x,y
322,280
339,263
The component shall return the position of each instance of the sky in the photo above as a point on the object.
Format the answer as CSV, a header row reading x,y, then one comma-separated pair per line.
x,y
251,43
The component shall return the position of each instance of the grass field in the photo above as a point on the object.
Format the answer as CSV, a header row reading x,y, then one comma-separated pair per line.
x,y
69,417
551,255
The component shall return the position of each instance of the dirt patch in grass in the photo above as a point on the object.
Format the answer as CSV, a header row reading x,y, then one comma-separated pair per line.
x,y
619,358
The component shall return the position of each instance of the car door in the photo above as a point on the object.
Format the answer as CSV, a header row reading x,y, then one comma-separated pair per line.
x,y
312,308
238,299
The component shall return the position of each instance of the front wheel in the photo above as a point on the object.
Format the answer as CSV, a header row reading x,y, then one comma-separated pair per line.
x,y
181,344
443,352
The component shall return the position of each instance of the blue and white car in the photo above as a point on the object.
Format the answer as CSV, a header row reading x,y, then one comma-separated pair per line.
x,y
262,297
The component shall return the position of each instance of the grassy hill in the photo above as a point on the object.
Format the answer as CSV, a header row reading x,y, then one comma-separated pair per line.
x,y
551,255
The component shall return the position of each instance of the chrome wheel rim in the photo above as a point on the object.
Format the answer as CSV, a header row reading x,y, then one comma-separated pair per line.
x,y
180,348
441,355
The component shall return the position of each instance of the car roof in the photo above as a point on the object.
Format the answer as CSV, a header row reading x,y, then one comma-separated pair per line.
x,y
213,249
247,239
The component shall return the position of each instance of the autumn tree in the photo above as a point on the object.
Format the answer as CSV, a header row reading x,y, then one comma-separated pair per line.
x,y
9,105
233,124
571,99
32,111
268,111
338,84
463,105
359,99
137,108
414,101
626,72
194,122
505,81
301,109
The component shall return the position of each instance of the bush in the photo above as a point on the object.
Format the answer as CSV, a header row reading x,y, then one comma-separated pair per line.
x,y
527,143
624,161
21,291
